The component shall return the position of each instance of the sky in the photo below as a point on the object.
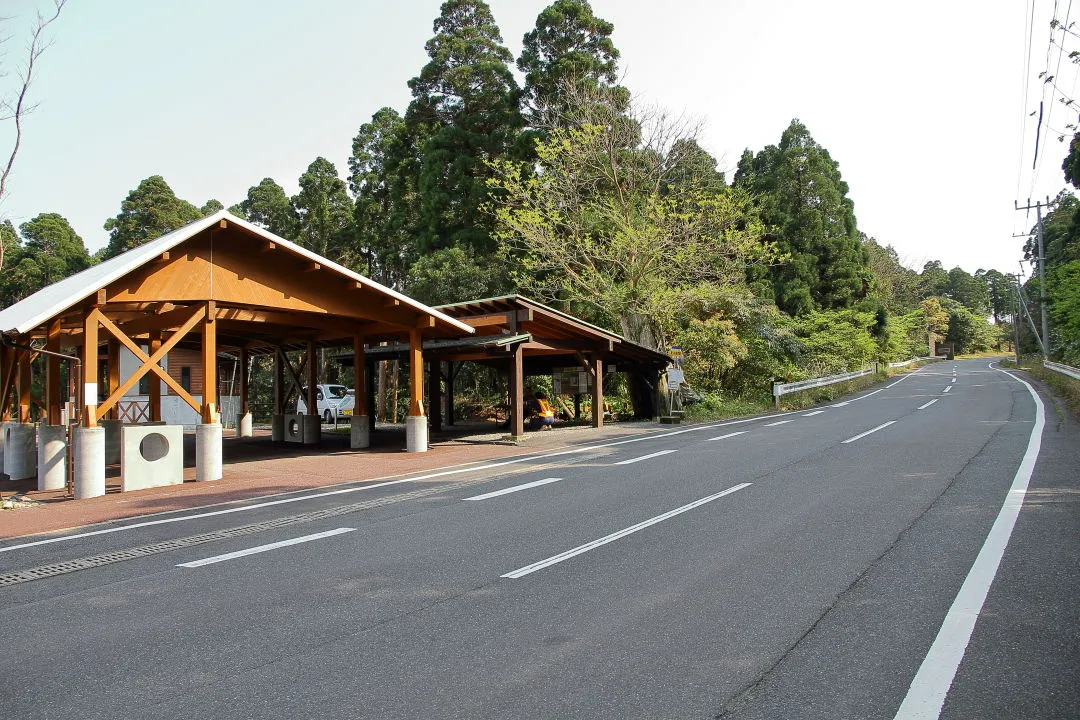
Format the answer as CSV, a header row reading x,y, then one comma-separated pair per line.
x,y
922,103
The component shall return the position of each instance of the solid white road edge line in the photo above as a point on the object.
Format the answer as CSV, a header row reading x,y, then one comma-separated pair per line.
x,y
812,414
509,490
905,377
778,422
872,430
263,548
863,397
926,695
554,559
926,405
644,457
725,437
841,404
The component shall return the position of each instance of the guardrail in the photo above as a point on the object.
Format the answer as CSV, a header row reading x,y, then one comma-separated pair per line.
x,y
908,362
779,389
1063,369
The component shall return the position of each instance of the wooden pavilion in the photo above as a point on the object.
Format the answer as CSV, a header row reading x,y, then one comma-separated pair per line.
x,y
523,337
220,283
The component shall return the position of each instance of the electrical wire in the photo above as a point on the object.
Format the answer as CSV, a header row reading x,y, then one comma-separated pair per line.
x,y
1030,22
1040,149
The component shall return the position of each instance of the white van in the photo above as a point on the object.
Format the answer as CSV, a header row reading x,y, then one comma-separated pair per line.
x,y
334,401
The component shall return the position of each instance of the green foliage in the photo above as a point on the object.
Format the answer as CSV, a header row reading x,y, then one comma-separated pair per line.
x,y
999,293
212,206
804,198
969,291
968,331
382,172
835,341
569,47
465,111
595,227
1063,286
453,275
150,211
324,213
268,206
895,286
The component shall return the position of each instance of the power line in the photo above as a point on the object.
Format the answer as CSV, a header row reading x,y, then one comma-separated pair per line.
x,y
1024,95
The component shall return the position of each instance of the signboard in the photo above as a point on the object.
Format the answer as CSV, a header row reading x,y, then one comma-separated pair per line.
x,y
570,381
675,377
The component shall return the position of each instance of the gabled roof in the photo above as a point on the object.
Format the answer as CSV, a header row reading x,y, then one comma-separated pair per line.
x,y
50,301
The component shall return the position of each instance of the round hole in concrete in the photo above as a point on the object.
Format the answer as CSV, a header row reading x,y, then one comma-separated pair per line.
x,y
154,447
294,428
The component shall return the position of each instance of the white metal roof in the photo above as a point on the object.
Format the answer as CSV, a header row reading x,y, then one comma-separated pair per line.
x,y
52,300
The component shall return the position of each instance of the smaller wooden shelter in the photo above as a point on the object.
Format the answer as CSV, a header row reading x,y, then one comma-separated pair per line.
x,y
524,338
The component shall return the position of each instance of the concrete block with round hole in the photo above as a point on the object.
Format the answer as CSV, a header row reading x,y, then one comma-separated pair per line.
x,y
151,456
294,428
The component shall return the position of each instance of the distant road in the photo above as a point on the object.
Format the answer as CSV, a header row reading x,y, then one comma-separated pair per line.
x,y
814,564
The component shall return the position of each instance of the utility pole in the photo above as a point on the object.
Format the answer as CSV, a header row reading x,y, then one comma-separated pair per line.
x,y
1016,318
1042,270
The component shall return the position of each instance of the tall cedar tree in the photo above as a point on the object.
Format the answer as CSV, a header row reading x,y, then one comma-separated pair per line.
x,y
150,211
804,198
268,206
381,175
325,213
569,46
465,103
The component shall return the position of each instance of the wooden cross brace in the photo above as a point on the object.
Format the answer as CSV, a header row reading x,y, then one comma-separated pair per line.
x,y
150,363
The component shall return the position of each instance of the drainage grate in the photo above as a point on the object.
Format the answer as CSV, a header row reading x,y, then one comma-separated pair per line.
x,y
70,566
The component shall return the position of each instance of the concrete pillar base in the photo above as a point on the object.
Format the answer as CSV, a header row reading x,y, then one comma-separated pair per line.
x,y
89,462
311,429
208,452
20,451
52,457
112,440
359,433
277,428
243,425
416,433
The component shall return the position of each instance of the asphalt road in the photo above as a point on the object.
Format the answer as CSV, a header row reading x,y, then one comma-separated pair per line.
x,y
792,566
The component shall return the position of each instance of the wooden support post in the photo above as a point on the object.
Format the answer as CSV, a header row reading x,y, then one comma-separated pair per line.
x,y
435,394
209,363
25,381
360,404
597,372
155,381
517,387
52,375
577,407
90,368
279,382
450,393
244,362
113,368
312,380
416,374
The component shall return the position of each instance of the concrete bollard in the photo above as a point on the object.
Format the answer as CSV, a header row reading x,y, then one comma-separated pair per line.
x,y
359,434
416,433
311,429
243,425
52,457
20,451
89,450
112,440
208,452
